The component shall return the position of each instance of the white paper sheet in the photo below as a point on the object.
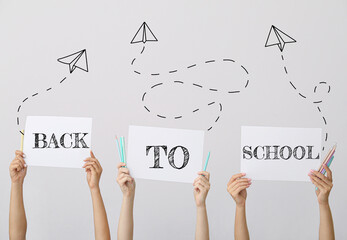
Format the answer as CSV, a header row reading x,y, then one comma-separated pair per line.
x,y
70,152
141,163
269,168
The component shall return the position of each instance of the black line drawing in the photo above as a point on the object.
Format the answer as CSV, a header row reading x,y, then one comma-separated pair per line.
x,y
282,39
279,38
74,60
144,34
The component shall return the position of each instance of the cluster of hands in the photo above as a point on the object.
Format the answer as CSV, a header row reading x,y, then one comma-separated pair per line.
x,y
236,186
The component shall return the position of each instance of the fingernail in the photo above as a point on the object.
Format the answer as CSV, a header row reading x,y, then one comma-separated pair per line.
x,y
25,165
249,179
243,174
311,170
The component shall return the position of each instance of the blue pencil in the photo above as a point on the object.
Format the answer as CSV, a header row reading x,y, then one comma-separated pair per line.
x,y
208,157
124,156
121,148
118,147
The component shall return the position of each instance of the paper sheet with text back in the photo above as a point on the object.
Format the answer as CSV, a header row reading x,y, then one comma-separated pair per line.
x,y
57,141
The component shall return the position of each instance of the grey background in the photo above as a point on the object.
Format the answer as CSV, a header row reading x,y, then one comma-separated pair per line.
x,y
58,204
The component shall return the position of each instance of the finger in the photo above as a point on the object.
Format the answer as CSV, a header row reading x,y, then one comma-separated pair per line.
x,y
236,176
21,160
240,188
121,175
320,181
120,165
240,180
89,164
17,167
233,189
317,184
204,182
124,170
98,166
91,168
97,161
17,161
124,180
321,176
200,178
204,174
20,153
92,154
201,187
329,173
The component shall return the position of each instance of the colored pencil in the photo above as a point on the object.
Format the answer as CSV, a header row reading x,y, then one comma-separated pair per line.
x,y
124,155
118,147
327,158
21,141
208,157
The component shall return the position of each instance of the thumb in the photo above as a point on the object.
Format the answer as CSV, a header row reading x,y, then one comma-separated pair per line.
x,y
92,154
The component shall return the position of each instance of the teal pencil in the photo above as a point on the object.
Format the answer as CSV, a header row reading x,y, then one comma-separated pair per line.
x,y
208,157
118,147
121,148
124,156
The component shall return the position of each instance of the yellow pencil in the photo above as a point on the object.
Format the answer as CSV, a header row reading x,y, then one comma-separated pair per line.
x,y
22,140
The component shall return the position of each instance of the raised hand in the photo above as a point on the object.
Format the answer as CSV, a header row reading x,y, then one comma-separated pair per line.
x,y
201,187
94,171
125,181
323,183
18,168
237,186
17,218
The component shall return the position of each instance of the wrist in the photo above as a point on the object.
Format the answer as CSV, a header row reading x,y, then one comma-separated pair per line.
x,y
241,205
95,189
201,206
323,204
17,184
128,196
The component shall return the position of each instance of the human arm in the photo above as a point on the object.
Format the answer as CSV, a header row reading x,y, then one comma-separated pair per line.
x,y
201,187
126,219
17,218
237,186
324,185
94,171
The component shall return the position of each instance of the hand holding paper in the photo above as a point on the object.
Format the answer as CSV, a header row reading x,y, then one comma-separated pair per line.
x,y
237,186
94,171
323,183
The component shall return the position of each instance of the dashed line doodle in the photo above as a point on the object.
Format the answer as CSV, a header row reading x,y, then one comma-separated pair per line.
x,y
143,35
279,38
75,60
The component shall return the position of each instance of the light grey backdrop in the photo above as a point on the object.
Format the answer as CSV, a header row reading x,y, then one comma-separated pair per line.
x,y
34,34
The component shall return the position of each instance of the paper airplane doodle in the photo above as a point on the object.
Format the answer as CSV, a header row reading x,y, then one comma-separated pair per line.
x,y
76,60
144,34
279,38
